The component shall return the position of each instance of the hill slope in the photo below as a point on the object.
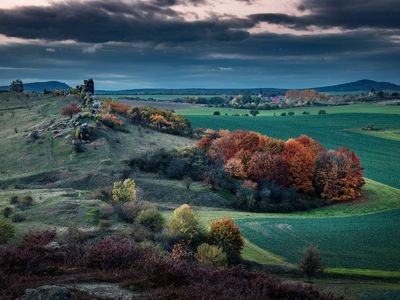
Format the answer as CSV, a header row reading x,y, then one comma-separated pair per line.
x,y
360,85
40,86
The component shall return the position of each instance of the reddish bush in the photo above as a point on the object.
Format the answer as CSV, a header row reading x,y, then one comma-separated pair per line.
x,y
38,238
109,254
71,109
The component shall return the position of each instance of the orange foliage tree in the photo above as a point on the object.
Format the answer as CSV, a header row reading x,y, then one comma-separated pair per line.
x,y
301,165
234,167
226,234
339,175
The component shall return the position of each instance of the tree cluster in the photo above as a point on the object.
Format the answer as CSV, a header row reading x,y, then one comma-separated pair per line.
x,y
300,163
160,119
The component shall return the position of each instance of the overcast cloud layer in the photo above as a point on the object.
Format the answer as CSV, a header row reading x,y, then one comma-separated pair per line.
x,y
158,43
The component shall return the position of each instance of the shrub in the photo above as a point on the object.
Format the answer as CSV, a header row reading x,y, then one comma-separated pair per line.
x,y
105,224
254,112
216,113
176,168
181,250
109,254
185,221
14,200
290,113
322,112
245,199
18,218
35,239
110,120
226,234
76,235
283,114
124,191
25,202
127,211
6,231
151,218
311,262
7,211
211,256
70,110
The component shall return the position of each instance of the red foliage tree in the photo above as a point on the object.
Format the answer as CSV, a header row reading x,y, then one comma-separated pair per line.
x,y
301,166
315,147
262,165
71,109
339,175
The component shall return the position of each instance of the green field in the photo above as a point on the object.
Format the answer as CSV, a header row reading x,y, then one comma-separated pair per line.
x,y
380,157
344,242
386,133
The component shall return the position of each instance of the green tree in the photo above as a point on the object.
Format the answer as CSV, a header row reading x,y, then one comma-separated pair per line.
x,y
254,112
6,231
311,262
17,86
151,218
184,221
124,191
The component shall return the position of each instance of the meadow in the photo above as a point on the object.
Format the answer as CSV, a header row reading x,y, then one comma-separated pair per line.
x,y
379,156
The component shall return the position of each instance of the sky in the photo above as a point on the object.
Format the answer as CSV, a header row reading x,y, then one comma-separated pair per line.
x,y
125,44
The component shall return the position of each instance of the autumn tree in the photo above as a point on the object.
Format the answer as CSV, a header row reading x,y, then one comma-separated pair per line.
x,y
262,165
339,175
226,234
300,164
234,167
70,110
315,146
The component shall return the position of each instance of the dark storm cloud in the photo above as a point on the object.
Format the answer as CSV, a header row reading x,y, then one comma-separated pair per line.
x,y
103,21
173,52
348,14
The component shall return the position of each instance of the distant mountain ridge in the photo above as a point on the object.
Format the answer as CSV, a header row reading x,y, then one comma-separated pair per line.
x,y
364,85
360,85
40,86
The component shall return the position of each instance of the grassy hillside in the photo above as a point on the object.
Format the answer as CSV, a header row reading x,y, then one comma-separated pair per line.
x,y
20,157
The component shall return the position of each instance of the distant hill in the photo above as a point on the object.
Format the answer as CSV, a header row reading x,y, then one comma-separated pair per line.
x,y
194,91
40,86
360,85
364,85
